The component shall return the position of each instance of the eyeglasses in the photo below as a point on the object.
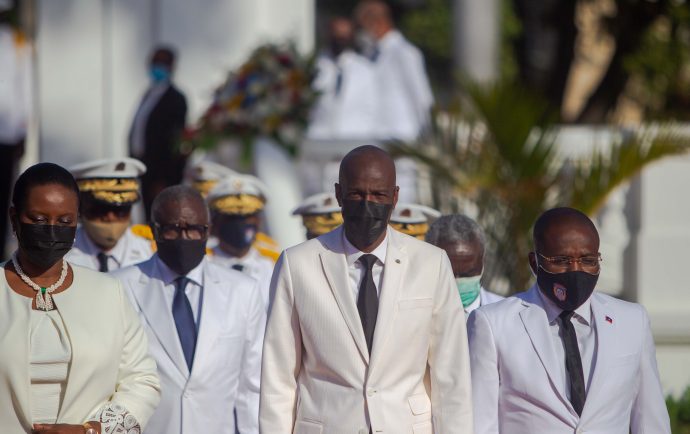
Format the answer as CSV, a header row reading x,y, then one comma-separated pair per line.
x,y
174,231
588,263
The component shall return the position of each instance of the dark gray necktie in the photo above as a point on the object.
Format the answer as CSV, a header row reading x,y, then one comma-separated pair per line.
x,y
184,320
368,299
573,362
102,262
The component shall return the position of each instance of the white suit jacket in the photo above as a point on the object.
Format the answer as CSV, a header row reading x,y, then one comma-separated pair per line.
x,y
110,359
515,371
227,361
317,374
129,250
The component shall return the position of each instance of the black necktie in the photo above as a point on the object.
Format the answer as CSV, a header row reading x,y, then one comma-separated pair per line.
x,y
238,267
368,299
102,262
573,362
184,320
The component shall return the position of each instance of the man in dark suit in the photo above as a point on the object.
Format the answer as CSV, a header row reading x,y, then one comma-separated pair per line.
x,y
157,127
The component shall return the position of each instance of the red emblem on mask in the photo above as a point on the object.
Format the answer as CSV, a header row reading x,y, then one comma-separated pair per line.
x,y
560,291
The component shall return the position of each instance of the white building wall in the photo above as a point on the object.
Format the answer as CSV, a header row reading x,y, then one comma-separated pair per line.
x,y
92,58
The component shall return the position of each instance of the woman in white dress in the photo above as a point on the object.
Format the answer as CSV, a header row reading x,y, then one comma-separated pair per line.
x,y
74,358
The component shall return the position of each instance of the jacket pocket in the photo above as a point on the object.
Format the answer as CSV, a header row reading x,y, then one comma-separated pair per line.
x,y
307,427
422,428
419,404
415,303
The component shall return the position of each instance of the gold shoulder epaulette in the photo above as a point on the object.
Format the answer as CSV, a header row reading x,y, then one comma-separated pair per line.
x,y
143,231
267,246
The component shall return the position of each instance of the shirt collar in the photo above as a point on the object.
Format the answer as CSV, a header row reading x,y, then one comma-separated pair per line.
x,y
352,253
117,252
390,38
168,276
583,313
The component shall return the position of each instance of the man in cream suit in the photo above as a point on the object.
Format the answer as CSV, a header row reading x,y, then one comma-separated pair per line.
x,y
561,358
366,333
205,324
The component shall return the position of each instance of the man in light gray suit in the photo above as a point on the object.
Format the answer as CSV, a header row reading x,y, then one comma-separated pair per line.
x,y
561,358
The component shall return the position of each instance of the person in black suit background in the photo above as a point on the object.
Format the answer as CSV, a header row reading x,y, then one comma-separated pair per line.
x,y
155,134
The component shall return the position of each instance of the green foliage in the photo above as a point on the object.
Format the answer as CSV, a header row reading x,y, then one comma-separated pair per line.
x,y
501,159
662,64
679,412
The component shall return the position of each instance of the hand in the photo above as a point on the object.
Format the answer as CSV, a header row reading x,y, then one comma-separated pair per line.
x,y
60,428
63,428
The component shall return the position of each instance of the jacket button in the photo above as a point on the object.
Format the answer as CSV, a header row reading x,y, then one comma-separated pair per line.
x,y
371,392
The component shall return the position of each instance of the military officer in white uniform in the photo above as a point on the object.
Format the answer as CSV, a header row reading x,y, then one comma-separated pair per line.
x,y
413,219
463,240
105,240
236,203
320,214
203,176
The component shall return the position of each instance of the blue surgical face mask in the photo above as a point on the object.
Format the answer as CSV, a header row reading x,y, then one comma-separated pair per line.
x,y
468,288
159,73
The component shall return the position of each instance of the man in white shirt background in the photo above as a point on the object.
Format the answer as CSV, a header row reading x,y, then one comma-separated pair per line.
x,y
347,106
464,242
403,90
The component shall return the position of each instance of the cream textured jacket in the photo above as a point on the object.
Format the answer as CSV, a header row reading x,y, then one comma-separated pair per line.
x,y
110,361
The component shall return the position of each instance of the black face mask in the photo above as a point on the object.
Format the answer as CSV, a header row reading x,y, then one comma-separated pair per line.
x,y
567,290
45,245
365,221
237,233
181,255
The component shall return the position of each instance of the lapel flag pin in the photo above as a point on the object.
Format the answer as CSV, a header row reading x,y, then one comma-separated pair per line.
x,y
609,319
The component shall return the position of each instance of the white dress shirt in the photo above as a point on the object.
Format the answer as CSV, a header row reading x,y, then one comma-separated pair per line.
x,y
254,264
403,88
129,250
151,98
355,269
585,330
194,288
348,110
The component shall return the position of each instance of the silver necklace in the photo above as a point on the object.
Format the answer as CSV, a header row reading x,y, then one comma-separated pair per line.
x,y
44,300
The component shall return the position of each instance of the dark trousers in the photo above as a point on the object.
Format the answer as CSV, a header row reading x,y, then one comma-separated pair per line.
x,y
9,155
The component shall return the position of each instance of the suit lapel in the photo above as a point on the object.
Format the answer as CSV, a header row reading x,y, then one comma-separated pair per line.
x,y
605,326
152,302
335,269
213,310
535,322
394,269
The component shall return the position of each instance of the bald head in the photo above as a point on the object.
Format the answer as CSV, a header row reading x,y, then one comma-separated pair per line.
x,y
179,204
556,222
367,194
366,159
